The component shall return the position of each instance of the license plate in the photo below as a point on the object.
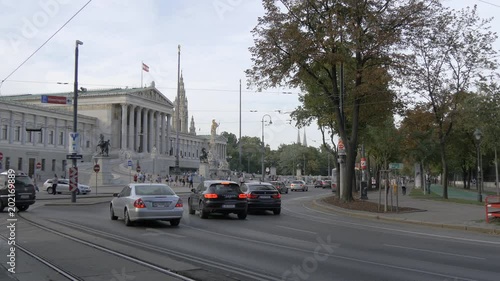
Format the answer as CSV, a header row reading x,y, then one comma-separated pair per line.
x,y
228,206
265,196
159,205
25,196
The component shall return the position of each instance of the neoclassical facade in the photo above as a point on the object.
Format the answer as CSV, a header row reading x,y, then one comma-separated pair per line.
x,y
138,122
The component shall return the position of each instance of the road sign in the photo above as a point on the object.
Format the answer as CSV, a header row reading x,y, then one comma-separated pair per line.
x,y
55,99
363,163
38,165
97,168
74,142
73,178
74,156
395,166
138,169
1,156
129,163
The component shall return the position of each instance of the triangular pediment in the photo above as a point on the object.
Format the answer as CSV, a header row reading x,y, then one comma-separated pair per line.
x,y
154,95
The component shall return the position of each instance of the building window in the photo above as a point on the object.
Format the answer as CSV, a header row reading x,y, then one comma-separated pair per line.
x,y
17,133
40,137
61,138
51,137
20,164
63,168
88,144
53,165
7,163
4,132
29,136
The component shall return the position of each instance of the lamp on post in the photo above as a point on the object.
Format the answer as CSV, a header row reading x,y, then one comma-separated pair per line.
x,y
478,135
263,145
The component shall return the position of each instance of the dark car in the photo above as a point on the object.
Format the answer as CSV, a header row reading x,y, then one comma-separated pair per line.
x,y
217,196
323,184
281,186
262,196
24,193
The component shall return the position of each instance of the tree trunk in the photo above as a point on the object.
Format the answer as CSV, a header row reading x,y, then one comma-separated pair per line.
x,y
444,179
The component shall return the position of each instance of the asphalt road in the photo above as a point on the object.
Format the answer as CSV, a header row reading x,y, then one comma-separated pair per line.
x,y
303,243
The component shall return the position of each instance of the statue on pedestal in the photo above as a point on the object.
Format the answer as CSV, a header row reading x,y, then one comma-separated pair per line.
x,y
214,128
103,145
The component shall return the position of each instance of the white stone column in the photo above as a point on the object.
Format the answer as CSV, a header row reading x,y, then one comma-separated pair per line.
x,y
131,128
11,126
158,132
45,131
169,130
145,131
23,129
139,129
123,132
151,136
163,134
56,132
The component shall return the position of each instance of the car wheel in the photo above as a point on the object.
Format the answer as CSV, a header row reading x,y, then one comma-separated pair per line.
x,y
190,208
203,213
277,211
22,208
2,206
112,213
242,215
286,191
49,190
126,219
175,222
78,192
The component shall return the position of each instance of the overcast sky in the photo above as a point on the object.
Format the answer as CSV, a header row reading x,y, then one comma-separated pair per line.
x,y
118,34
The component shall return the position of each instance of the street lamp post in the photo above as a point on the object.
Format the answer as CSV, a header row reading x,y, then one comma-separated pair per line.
x,y
477,136
263,145
75,117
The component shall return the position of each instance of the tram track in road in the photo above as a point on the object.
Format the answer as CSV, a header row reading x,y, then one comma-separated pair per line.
x,y
72,276
237,272
46,262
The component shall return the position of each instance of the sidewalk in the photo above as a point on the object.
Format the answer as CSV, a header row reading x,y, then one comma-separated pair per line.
x,y
434,213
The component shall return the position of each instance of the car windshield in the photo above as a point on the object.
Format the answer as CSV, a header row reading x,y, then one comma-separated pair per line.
x,y
23,181
225,188
153,190
261,187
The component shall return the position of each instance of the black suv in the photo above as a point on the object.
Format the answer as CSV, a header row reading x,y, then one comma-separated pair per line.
x,y
217,196
25,194
262,196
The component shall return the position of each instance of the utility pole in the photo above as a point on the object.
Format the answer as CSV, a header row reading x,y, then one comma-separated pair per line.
x,y
240,167
74,179
364,183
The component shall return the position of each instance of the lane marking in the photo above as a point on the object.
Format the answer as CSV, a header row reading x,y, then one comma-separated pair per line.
x,y
337,222
436,252
296,229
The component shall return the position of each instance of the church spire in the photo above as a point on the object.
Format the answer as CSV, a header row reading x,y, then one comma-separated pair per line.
x,y
192,128
305,139
298,137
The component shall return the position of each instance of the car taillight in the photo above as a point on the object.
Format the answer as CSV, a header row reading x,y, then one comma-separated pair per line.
x,y
139,203
242,196
179,203
210,196
277,196
252,196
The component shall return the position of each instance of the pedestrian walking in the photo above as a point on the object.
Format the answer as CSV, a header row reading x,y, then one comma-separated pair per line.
x,y
190,180
54,184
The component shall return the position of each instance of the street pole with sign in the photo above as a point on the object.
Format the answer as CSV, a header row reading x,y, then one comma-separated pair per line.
x,y
74,177
97,168
364,183
342,155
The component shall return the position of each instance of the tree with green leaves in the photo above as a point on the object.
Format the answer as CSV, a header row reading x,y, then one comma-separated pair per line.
x,y
448,55
308,42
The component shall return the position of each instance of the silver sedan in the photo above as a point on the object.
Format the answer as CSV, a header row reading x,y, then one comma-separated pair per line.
x,y
146,201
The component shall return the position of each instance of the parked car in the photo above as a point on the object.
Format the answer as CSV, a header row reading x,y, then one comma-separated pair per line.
x,y
63,187
281,186
262,196
24,191
298,185
145,201
217,196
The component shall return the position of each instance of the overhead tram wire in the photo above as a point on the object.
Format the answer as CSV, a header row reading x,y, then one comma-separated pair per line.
x,y
44,43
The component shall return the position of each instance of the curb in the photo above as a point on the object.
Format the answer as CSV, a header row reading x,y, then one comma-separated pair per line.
x,y
358,214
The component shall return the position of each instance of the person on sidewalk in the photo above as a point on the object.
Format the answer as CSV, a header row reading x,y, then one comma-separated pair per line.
x,y
190,181
54,184
403,186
